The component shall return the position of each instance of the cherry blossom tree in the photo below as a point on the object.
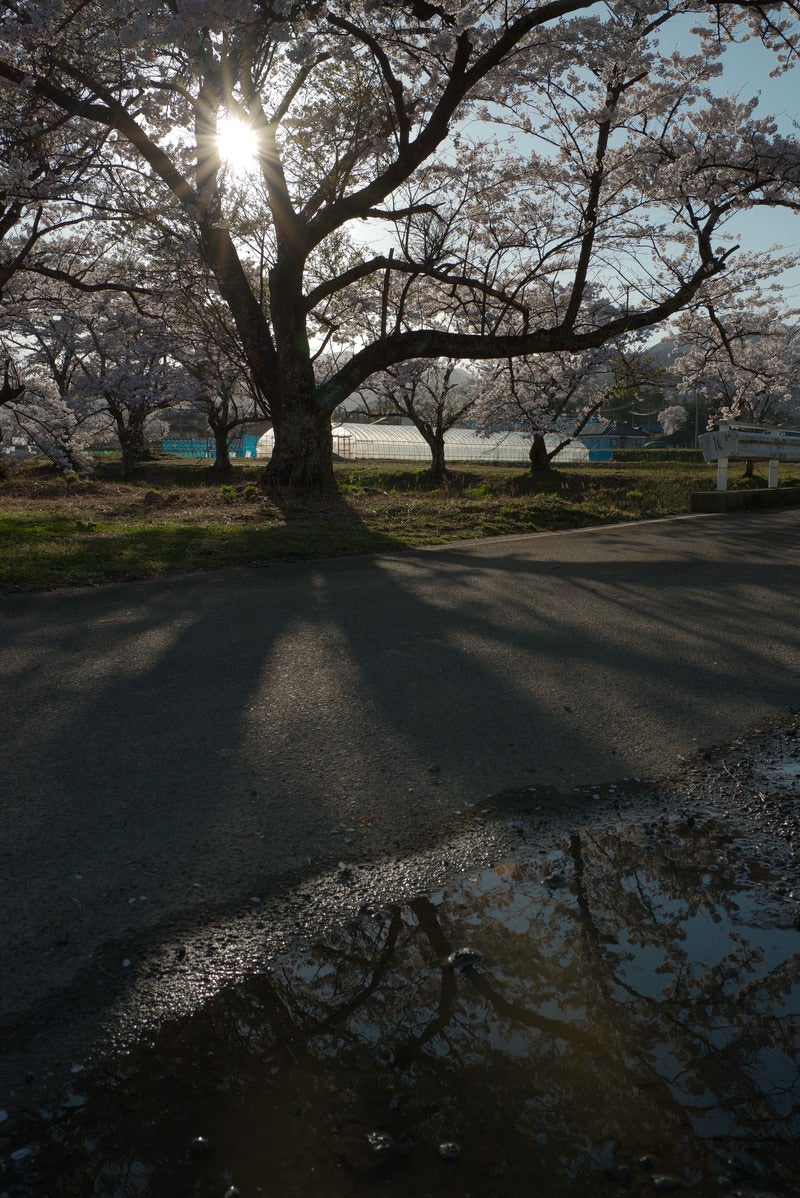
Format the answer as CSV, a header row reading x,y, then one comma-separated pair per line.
x,y
743,357
225,396
10,387
672,418
435,396
129,371
204,341
107,360
60,430
41,169
46,336
48,341
554,174
556,396
740,353
550,394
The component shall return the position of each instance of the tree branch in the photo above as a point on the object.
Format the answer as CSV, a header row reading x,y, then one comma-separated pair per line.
x,y
433,343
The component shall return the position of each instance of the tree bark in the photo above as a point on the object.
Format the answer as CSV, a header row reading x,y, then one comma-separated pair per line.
x,y
302,455
131,440
222,459
540,459
438,467
10,387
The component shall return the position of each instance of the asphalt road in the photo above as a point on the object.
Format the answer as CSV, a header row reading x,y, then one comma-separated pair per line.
x,y
169,748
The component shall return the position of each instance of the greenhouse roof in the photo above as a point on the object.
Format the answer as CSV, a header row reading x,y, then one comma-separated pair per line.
x,y
405,443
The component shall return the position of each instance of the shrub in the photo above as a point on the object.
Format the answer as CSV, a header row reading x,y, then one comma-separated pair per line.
x,y
658,455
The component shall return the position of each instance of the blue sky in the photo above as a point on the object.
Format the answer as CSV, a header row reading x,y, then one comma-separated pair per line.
x,y
747,68
746,73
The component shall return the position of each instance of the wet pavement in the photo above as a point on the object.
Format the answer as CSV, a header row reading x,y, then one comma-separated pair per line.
x,y
587,992
179,754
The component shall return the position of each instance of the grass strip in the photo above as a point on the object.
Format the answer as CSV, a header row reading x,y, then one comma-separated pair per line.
x,y
178,516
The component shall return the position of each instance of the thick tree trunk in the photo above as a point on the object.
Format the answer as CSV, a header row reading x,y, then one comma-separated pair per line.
x,y
748,468
302,456
131,441
540,460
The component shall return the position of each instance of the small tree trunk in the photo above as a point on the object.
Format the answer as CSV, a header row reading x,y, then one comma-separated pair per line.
x,y
10,387
540,460
438,470
222,460
433,432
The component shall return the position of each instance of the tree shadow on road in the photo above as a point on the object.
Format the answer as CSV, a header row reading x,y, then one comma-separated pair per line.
x,y
180,745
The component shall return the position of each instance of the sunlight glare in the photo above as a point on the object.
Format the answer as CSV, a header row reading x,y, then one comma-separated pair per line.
x,y
238,145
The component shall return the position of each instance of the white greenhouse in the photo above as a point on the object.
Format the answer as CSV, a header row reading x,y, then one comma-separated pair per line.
x,y
403,443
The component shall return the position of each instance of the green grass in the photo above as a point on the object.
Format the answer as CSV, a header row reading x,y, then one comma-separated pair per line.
x,y
41,552
180,516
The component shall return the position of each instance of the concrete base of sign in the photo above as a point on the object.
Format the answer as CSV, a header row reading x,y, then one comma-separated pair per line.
x,y
739,501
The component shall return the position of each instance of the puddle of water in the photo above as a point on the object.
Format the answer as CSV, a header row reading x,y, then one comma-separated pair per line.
x,y
784,773
631,1026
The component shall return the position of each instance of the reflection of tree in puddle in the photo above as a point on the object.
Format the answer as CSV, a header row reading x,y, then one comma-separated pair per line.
x,y
631,1001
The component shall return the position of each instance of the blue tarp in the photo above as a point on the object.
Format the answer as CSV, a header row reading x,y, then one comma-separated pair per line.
x,y
238,447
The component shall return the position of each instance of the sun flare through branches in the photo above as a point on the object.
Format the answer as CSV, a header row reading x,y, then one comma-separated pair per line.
x,y
238,145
